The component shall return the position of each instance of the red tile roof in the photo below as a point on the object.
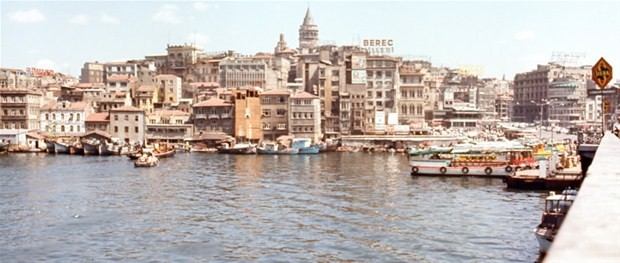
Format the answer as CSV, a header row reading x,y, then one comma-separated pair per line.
x,y
98,117
213,103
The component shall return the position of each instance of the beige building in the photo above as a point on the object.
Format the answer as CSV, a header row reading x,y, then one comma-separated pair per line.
x,y
146,97
306,116
127,123
262,70
19,109
414,93
170,126
169,90
383,88
275,113
247,114
214,115
99,121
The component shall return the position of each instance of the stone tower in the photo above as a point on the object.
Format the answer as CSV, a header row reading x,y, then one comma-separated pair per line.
x,y
281,45
308,34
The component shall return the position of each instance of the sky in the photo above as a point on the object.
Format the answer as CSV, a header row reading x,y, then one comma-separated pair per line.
x,y
499,38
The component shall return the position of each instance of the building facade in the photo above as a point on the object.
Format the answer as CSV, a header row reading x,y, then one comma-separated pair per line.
x,y
65,119
213,115
305,116
127,123
275,116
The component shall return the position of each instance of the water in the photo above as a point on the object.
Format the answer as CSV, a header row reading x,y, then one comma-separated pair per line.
x,y
220,208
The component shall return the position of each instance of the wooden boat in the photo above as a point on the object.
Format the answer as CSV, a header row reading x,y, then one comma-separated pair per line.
x,y
90,147
272,148
109,149
61,147
545,178
4,147
237,149
51,147
314,149
556,208
146,161
164,150
305,146
77,149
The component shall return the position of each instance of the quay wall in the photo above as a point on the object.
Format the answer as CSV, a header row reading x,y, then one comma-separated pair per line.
x,y
407,140
591,230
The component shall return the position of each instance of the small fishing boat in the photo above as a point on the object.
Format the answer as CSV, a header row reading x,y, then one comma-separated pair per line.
x,y
274,148
239,148
146,161
164,151
61,147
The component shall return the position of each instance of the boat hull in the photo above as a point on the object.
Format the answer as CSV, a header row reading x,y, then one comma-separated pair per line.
x,y
90,149
310,150
282,152
545,237
61,148
480,171
244,150
4,148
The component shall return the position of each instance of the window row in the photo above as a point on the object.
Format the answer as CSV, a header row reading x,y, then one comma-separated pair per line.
x,y
62,116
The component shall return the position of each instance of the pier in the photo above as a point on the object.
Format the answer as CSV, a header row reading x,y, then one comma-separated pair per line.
x,y
591,232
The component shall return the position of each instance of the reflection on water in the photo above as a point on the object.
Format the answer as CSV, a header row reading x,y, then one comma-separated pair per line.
x,y
327,207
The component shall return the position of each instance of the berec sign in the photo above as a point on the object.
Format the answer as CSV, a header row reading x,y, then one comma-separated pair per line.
x,y
602,73
378,46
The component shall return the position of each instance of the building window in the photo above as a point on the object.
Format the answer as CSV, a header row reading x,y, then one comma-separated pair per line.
x,y
266,113
280,112
136,117
62,128
116,117
126,129
116,129
136,129
71,128
78,128
77,117
127,117
47,117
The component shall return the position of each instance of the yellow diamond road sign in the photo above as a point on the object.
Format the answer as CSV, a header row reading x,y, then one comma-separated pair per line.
x,y
602,73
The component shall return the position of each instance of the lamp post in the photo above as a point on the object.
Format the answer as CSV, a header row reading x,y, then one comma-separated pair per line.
x,y
542,104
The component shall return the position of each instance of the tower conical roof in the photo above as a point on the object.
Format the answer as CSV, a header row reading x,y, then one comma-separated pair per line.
x,y
308,19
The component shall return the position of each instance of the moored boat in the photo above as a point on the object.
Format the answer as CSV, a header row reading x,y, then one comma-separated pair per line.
x,y
305,146
146,161
556,208
237,149
50,145
61,147
547,177
273,148
91,147
4,147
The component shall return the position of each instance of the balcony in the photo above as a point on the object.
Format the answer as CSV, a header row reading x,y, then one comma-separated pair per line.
x,y
214,116
13,118
200,116
226,116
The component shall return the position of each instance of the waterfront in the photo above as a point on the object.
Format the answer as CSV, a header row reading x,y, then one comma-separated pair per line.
x,y
214,207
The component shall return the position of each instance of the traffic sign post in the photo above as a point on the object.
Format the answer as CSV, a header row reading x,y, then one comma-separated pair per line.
x,y
602,73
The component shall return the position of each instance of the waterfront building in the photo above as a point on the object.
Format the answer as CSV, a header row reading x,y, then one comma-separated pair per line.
x,y
19,109
382,90
169,90
65,119
213,115
567,102
415,90
114,100
202,91
531,89
247,115
127,123
170,126
305,115
98,121
92,72
275,116
308,34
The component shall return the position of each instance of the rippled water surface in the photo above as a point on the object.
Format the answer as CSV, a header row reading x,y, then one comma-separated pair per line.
x,y
208,207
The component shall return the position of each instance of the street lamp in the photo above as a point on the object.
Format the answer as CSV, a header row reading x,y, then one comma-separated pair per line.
x,y
542,104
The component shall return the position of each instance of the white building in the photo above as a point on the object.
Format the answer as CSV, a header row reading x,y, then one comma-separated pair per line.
x,y
65,118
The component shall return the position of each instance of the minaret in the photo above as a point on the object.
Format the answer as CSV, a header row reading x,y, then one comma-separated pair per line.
x,y
308,34
281,45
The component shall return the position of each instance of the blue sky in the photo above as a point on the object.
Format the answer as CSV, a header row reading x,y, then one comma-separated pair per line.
x,y
501,37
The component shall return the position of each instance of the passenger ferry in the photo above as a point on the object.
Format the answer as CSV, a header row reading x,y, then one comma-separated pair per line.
x,y
496,163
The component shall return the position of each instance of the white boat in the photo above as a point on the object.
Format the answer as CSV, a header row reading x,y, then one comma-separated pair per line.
x,y
484,163
556,208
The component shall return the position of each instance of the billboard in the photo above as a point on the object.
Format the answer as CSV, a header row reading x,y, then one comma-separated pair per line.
x,y
358,76
379,121
358,62
378,47
392,118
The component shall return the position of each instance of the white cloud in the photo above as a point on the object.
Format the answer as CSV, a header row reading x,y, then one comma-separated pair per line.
x,y
79,19
525,35
28,16
46,64
167,14
108,19
202,6
198,38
